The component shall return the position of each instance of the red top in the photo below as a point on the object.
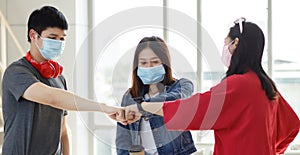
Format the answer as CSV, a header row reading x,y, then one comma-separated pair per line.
x,y
244,120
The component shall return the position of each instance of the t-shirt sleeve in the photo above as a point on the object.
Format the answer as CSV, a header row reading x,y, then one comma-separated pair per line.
x,y
63,80
17,79
65,113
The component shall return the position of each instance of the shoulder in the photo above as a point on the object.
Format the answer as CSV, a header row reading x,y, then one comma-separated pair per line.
x,y
183,81
18,66
248,77
127,98
249,81
127,93
17,63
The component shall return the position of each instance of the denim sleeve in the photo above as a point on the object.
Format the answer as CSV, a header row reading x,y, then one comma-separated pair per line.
x,y
127,99
122,152
123,139
123,135
183,88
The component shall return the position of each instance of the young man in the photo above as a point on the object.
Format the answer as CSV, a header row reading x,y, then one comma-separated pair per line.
x,y
34,92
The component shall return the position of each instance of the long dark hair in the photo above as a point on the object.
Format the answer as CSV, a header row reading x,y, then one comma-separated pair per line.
x,y
248,55
159,47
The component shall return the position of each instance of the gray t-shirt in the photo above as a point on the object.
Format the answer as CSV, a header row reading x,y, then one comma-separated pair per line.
x,y
29,128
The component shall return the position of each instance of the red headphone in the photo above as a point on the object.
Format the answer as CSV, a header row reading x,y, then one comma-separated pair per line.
x,y
48,69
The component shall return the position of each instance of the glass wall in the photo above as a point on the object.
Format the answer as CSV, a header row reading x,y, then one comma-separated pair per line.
x,y
127,26
286,52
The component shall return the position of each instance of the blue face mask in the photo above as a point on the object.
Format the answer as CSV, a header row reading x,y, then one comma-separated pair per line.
x,y
52,49
151,75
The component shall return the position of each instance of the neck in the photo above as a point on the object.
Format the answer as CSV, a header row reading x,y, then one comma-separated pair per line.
x,y
153,89
35,53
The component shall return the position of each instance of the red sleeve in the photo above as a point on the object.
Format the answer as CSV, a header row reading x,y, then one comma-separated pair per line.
x,y
217,108
288,125
203,110
180,114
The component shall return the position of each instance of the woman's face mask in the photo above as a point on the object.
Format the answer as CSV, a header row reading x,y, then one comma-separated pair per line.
x,y
151,75
226,55
51,48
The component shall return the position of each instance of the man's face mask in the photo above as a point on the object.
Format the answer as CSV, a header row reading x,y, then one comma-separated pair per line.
x,y
51,48
151,75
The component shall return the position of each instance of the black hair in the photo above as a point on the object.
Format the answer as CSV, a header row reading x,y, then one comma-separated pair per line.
x,y
46,17
248,55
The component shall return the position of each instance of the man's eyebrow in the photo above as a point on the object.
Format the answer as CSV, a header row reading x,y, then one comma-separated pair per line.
x,y
55,35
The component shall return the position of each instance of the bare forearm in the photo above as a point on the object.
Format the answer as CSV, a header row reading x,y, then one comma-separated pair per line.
x,y
153,107
69,101
62,99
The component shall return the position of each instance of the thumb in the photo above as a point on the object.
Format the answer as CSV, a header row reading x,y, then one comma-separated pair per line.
x,y
120,114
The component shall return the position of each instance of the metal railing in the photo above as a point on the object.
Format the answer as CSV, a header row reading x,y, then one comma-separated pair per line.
x,y
6,27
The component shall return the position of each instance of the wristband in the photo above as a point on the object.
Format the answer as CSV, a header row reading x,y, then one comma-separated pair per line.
x,y
141,110
139,101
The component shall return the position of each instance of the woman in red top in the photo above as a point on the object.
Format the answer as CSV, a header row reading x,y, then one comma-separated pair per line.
x,y
245,110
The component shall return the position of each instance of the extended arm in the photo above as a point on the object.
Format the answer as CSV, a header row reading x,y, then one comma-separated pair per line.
x,y
62,99
183,88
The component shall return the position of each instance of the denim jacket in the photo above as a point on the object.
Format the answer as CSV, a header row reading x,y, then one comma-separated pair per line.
x,y
167,142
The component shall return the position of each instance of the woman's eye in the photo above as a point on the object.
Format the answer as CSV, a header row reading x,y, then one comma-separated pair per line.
x,y
155,62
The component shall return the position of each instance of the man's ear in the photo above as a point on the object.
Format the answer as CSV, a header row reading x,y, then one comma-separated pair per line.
x,y
236,41
33,35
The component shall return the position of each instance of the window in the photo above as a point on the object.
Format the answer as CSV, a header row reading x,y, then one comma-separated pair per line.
x,y
113,64
183,47
286,70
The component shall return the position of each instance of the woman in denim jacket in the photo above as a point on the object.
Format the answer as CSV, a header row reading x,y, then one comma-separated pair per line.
x,y
153,82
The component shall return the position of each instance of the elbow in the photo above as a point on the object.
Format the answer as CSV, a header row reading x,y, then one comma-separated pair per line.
x,y
187,93
66,132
